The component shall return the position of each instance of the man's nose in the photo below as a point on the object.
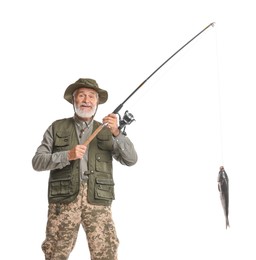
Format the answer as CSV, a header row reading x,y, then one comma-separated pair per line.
x,y
86,99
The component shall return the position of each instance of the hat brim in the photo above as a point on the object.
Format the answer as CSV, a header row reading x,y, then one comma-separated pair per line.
x,y
103,94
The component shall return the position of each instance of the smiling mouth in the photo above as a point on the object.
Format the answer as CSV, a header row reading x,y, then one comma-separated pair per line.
x,y
85,107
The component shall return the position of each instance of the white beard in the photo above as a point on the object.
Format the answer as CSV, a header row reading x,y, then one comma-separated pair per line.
x,y
84,114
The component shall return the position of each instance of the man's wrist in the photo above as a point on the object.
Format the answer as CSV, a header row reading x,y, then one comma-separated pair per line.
x,y
116,133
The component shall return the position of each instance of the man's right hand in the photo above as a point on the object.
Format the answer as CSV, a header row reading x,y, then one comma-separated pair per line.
x,y
77,152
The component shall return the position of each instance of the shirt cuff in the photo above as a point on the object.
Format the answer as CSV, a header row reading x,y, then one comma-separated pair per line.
x,y
61,157
119,141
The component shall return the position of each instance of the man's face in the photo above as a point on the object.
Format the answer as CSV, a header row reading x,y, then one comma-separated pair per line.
x,y
85,102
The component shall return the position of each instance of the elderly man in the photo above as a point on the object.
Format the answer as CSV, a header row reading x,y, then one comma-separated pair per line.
x,y
81,185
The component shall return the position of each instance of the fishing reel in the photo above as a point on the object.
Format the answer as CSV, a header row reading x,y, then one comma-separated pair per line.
x,y
126,120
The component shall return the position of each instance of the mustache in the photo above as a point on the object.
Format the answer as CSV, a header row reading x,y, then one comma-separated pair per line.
x,y
85,104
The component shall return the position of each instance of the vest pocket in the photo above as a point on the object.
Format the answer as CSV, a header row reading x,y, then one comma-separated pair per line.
x,y
104,188
103,162
60,188
62,140
105,141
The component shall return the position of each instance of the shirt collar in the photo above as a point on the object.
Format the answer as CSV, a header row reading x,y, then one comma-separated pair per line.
x,y
81,123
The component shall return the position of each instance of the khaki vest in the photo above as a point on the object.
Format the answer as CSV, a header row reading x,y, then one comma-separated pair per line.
x,y
64,183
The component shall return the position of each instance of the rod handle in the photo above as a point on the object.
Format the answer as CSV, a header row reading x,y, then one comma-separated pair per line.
x,y
91,137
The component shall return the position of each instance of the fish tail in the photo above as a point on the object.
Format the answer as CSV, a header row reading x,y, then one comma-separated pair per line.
x,y
227,223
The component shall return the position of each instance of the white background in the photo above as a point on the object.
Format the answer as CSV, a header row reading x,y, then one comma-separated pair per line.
x,y
194,115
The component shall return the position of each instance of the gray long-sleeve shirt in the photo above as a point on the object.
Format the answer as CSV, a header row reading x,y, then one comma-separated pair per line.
x,y
124,151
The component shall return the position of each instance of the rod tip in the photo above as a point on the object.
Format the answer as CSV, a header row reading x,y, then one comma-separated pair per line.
x,y
213,24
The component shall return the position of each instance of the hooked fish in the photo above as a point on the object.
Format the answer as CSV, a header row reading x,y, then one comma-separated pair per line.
x,y
223,187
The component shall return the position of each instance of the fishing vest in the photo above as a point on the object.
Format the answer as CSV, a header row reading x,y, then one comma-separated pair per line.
x,y
64,183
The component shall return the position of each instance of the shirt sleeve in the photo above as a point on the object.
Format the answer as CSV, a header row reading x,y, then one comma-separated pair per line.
x,y
124,151
44,159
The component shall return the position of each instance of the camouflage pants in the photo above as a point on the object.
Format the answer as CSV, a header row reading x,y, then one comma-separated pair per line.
x,y
62,229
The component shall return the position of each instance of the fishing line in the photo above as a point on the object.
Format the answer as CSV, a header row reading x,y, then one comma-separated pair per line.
x,y
219,101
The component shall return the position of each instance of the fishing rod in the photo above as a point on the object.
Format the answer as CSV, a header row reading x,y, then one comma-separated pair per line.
x,y
128,117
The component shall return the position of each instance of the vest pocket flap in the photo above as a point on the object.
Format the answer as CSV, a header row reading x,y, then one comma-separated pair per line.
x,y
63,134
104,181
103,137
60,183
101,194
102,157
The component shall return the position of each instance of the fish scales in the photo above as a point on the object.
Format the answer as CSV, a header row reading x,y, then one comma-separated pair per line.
x,y
223,187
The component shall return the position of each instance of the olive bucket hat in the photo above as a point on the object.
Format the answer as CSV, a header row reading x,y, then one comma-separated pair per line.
x,y
85,83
